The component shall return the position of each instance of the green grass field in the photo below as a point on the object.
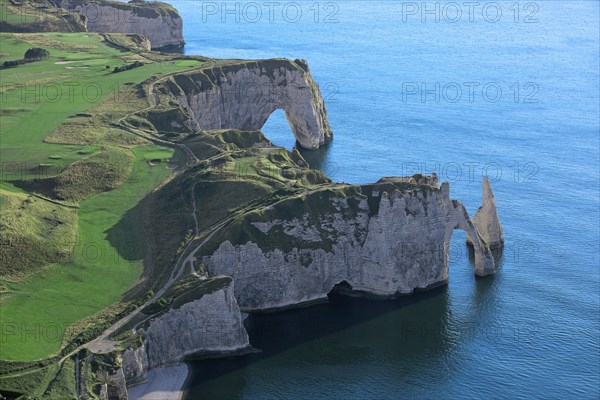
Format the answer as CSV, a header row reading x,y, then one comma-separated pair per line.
x,y
102,258
105,264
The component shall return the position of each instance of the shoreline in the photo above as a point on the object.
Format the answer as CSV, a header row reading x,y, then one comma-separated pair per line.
x,y
166,383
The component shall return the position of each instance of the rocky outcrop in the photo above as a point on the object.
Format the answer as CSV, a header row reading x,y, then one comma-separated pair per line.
x,y
486,219
386,239
113,386
243,95
210,324
135,365
157,21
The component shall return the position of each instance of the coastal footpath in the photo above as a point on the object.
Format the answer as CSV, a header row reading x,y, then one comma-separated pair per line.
x,y
383,240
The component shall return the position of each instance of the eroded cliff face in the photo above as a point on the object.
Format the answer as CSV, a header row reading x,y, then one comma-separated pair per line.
x,y
114,386
243,95
157,21
211,324
386,239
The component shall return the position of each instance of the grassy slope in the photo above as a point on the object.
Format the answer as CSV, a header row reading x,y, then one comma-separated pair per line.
x,y
237,173
108,259
33,232
99,172
101,271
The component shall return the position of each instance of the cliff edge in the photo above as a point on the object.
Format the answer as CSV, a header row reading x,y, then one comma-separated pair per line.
x,y
197,317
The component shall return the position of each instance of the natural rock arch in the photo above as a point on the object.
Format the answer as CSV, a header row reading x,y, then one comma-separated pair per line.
x,y
243,96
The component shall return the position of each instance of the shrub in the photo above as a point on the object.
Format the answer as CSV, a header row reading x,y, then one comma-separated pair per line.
x,y
127,67
14,63
31,55
36,53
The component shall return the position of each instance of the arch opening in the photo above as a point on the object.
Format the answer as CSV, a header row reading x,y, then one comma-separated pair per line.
x,y
461,263
278,130
341,289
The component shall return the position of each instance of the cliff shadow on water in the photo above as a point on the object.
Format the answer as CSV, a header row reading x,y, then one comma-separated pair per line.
x,y
334,333
326,342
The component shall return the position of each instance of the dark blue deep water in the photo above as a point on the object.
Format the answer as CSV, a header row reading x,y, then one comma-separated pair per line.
x,y
517,99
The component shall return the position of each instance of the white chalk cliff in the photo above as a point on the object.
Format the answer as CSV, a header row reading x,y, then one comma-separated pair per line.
x,y
385,239
135,365
157,21
243,95
211,324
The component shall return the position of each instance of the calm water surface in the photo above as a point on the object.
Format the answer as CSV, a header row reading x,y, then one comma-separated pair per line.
x,y
531,122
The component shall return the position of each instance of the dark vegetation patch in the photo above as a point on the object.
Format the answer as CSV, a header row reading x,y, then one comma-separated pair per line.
x,y
12,111
31,55
127,67
36,53
169,123
39,16
167,221
127,41
97,173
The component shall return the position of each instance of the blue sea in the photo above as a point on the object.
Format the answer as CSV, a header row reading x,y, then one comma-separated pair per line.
x,y
504,89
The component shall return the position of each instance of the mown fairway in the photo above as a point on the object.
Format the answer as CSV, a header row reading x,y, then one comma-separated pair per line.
x,y
107,256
